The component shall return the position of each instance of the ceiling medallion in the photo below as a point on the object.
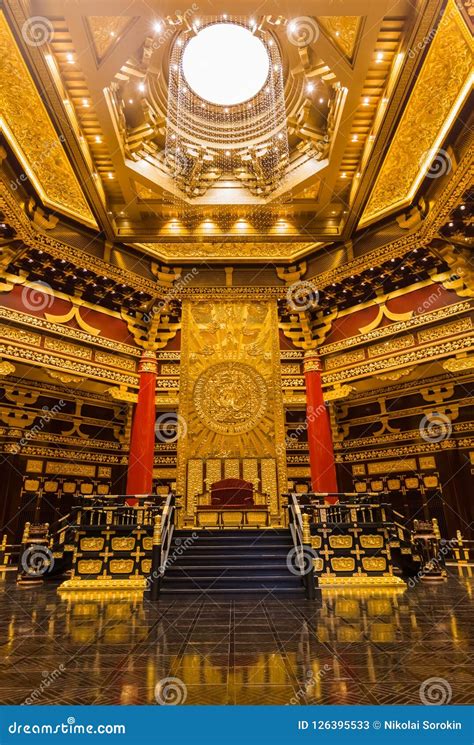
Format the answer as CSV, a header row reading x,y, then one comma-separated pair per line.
x,y
226,118
230,397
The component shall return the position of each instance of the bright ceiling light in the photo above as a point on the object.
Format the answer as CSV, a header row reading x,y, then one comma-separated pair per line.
x,y
225,64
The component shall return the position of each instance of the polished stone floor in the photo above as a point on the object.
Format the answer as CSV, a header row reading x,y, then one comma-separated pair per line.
x,y
346,647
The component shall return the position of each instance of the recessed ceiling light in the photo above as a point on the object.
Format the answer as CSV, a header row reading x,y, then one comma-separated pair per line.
x,y
321,100
462,207
157,27
141,87
379,57
366,101
70,58
85,103
98,138
310,87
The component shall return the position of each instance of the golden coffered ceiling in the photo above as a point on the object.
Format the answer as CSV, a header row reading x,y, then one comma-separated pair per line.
x,y
355,95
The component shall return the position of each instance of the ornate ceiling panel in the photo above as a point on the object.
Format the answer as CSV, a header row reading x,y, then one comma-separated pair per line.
x,y
343,30
349,84
437,96
28,128
106,32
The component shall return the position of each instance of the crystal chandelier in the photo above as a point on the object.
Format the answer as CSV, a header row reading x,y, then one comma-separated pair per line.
x,y
220,143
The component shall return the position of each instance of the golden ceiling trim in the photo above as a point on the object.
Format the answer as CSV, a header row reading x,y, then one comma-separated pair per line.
x,y
446,69
26,125
34,238
396,361
106,31
16,316
237,252
343,31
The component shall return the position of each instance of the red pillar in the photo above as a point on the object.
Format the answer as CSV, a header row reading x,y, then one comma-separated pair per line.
x,y
321,452
142,441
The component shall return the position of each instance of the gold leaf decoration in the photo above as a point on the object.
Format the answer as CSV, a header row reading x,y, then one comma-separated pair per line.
x,y
447,69
26,124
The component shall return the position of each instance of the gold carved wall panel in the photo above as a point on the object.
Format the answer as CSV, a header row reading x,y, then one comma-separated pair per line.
x,y
230,395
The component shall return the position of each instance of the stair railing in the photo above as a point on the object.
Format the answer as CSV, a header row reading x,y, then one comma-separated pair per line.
x,y
162,537
303,551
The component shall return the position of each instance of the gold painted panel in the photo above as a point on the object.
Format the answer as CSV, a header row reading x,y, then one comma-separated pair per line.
x,y
231,468
27,126
250,471
91,544
446,69
195,479
69,469
230,390
374,563
34,466
213,471
371,541
123,544
121,566
343,564
89,566
389,466
340,541
427,462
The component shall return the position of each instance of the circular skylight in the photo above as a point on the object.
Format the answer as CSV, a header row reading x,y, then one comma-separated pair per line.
x,y
225,64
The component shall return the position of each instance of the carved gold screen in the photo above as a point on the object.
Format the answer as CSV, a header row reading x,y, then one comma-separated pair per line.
x,y
231,405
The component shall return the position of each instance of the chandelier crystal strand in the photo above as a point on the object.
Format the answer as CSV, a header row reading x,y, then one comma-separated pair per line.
x,y
229,159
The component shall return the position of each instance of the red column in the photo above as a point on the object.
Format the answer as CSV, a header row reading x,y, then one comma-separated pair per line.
x,y
321,452
142,441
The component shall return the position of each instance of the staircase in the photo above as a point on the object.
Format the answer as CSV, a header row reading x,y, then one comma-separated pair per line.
x,y
230,561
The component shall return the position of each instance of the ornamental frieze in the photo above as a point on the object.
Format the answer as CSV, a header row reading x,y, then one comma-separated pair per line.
x,y
419,355
80,368
70,455
55,328
418,320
